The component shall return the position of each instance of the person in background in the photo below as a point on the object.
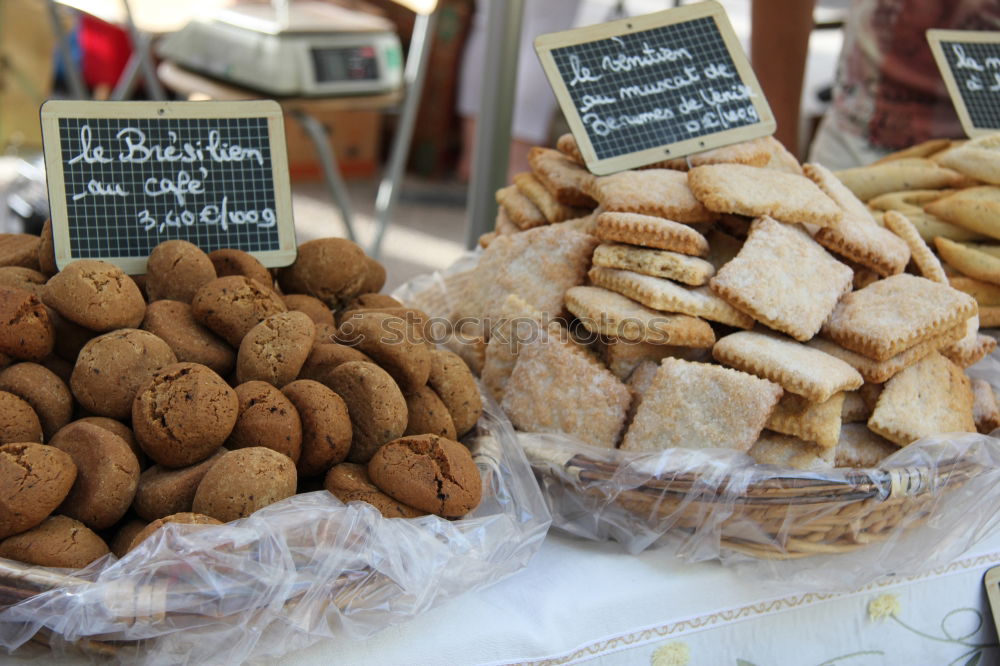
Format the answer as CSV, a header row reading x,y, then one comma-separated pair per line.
x,y
534,100
888,93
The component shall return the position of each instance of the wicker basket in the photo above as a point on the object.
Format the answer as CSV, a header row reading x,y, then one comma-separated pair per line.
x,y
756,510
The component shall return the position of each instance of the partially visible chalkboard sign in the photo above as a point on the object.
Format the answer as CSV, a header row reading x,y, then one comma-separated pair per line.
x,y
125,176
645,89
970,66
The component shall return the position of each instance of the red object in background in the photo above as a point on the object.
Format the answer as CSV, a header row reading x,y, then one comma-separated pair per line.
x,y
105,49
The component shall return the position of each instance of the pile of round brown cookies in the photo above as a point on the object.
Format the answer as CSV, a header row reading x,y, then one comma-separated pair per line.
x,y
211,387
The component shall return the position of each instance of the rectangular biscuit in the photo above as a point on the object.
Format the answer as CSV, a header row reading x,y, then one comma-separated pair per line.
x,y
657,192
622,357
896,313
733,408
658,263
783,279
798,368
817,422
930,397
755,192
650,231
519,208
610,314
860,447
556,387
563,177
531,187
786,451
878,372
667,296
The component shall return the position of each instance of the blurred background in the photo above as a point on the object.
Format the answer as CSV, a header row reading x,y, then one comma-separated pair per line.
x,y
88,48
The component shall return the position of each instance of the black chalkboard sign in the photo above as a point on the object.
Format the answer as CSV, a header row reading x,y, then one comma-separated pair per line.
x,y
970,66
640,90
125,176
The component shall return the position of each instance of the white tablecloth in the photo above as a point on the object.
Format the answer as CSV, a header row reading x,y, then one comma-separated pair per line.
x,y
583,601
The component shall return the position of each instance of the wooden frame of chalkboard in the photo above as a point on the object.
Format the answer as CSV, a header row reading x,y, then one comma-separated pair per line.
x,y
125,176
969,61
655,87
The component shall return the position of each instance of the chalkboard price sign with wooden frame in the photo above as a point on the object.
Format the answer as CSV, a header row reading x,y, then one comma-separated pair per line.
x,y
125,176
641,90
969,61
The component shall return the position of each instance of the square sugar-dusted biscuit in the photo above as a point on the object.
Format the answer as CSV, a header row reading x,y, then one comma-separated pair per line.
x,y
659,192
564,178
650,231
607,313
817,422
554,211
797,368
658,263
931,397
786,451
556,387
896,313
860,447
701,406
519,208
755,191
783,279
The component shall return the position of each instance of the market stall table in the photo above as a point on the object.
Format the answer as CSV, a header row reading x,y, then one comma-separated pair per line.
x,y
580,601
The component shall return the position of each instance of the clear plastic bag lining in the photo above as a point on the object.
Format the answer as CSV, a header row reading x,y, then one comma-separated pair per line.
x,y
827,530
302,569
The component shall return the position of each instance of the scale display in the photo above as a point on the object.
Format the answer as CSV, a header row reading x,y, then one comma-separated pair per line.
x,y
345,64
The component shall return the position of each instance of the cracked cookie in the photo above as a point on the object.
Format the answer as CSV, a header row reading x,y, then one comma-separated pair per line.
x,y
243,481
34,480
96,295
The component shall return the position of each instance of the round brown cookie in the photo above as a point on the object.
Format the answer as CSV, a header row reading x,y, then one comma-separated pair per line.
x,y
70,337
34,480
275,349
176,270
41,388
111,368
18,421
374,277
123,431
107,474
427,414
243,481
267,418
376,406
349,482
230,261
47,251
26,332
317,310
59,541
174,323
371,300
454,383
96,295
183,413
326,426
6,360
325,334
163,491
388,341
30,280
184,518
331,269
430,473
19,250
325,357
124,535
232,305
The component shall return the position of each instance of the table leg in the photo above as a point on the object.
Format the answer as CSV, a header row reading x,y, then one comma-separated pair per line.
x,y
334,181
417,58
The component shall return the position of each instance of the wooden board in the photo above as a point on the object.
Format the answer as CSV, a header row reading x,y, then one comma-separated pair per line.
x,y
641,90
125,176
970,66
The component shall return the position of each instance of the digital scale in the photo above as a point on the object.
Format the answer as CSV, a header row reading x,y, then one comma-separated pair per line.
x,y
292,49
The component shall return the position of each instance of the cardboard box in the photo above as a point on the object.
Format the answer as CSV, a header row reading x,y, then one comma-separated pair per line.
x,y
354,135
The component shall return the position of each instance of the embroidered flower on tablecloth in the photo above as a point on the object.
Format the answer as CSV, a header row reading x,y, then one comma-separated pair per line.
x,y
883,606
677,653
